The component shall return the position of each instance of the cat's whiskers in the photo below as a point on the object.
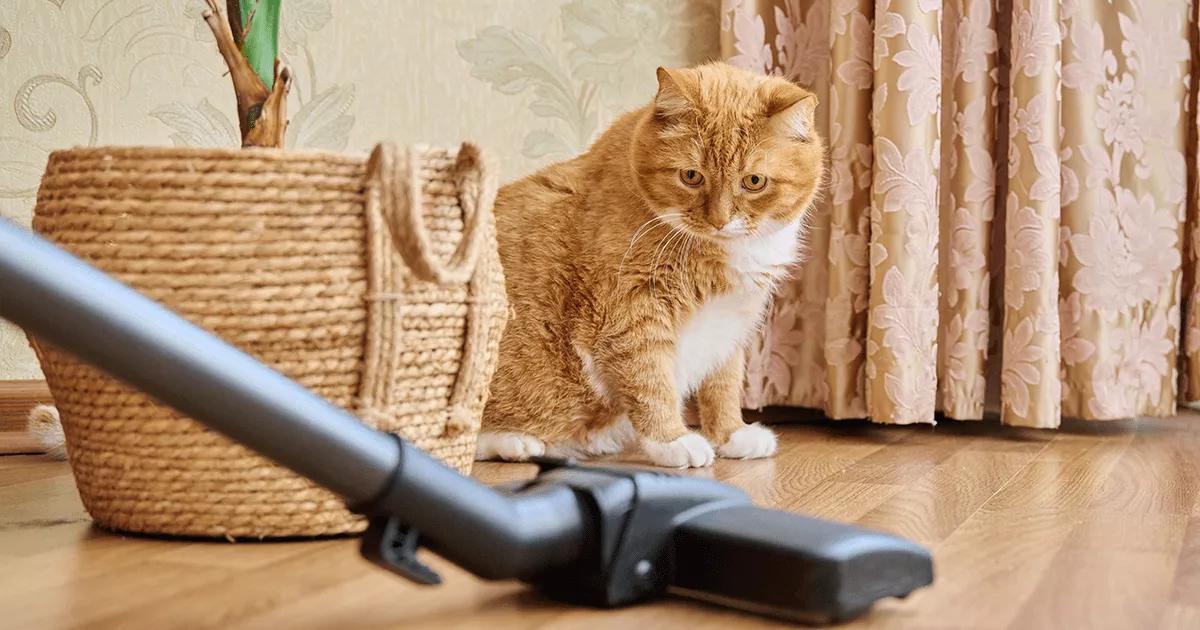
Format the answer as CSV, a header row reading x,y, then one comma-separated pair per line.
x,y
761,242
680,251
644,229
660,219
677,249
654,259
665,247
658,249
689,243
758,238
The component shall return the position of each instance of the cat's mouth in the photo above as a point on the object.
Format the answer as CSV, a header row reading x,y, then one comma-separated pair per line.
x,y
728,233
705,233
732,230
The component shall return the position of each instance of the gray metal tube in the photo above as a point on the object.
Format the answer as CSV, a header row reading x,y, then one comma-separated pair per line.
x,y
493,535
62,300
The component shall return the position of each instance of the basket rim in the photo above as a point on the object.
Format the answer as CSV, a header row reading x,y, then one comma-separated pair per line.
x,y
230,153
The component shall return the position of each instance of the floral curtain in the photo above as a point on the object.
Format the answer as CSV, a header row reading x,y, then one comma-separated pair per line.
x,y
1004,229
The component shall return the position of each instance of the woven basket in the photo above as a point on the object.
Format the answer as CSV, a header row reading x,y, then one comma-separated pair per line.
x,y
375,283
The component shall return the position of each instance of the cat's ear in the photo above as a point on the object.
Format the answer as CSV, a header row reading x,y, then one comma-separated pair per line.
x,y
791,112
671,99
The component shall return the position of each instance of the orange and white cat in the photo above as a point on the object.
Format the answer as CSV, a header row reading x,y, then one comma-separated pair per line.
x,y
637,272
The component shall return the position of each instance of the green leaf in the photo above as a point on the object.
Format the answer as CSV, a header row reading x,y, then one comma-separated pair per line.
x,y
261,45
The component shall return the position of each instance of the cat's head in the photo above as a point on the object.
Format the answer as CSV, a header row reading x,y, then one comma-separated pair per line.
x,y
725,153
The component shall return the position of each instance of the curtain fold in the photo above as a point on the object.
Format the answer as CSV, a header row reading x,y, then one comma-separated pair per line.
x,y
1190,378
849,196
903,310
1004,224
1030,389
969,106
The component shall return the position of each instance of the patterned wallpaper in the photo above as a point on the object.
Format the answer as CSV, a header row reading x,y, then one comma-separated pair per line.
x,y
532,81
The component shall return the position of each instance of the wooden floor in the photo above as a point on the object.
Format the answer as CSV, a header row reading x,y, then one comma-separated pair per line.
x,y
16,399
1094,526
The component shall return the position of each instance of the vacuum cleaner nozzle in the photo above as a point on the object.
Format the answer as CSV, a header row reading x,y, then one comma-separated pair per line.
x,y
647,532
601,536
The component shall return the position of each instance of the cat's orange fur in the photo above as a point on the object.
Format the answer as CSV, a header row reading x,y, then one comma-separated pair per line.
x,y
609,256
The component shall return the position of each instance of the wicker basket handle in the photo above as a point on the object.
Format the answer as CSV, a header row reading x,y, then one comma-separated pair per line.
x,y
400,205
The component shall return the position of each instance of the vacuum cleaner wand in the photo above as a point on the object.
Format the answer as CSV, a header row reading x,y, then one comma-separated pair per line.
x,y
594,535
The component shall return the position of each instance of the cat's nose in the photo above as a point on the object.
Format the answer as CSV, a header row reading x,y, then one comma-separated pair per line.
x,y
717,218
719,210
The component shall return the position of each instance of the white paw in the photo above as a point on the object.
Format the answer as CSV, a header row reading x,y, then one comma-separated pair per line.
x,y
749,442
690,450
507,445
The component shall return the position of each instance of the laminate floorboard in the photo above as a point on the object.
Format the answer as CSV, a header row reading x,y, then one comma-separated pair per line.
x,y
1091,526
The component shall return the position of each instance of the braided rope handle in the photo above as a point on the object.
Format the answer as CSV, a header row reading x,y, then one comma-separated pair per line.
x,y
400,206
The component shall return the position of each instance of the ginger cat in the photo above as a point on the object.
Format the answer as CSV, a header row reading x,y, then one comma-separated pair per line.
x,y
637,271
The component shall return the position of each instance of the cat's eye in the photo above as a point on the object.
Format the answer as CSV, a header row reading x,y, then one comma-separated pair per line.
x,y
691,177
754,182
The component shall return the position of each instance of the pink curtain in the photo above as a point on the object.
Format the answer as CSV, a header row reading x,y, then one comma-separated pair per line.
x,y
1004,226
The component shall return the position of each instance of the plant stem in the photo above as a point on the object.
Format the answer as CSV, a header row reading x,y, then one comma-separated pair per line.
x,y
260,19
233,11
262,111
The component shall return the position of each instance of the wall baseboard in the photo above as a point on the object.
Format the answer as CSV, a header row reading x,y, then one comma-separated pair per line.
x,y
16,399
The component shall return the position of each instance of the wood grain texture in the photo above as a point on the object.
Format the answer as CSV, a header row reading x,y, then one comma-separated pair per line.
x,y
16,399
1092,526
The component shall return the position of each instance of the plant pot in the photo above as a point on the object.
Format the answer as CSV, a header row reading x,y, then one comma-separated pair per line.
x,y
373,282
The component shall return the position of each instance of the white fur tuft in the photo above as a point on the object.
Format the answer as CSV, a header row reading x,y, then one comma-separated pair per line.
x,y
796,120
770,251
45,426
592,374
670,105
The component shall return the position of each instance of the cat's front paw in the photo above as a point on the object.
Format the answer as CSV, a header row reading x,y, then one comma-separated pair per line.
x,y
508,445
749,442
690,450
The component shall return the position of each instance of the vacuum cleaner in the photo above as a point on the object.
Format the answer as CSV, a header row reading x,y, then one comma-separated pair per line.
x,y
601,536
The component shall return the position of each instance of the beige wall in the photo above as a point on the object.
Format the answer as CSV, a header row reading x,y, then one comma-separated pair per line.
x,y
531,80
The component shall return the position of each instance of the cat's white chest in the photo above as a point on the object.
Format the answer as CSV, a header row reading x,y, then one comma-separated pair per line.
x,y
768,254
724,322
713,334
